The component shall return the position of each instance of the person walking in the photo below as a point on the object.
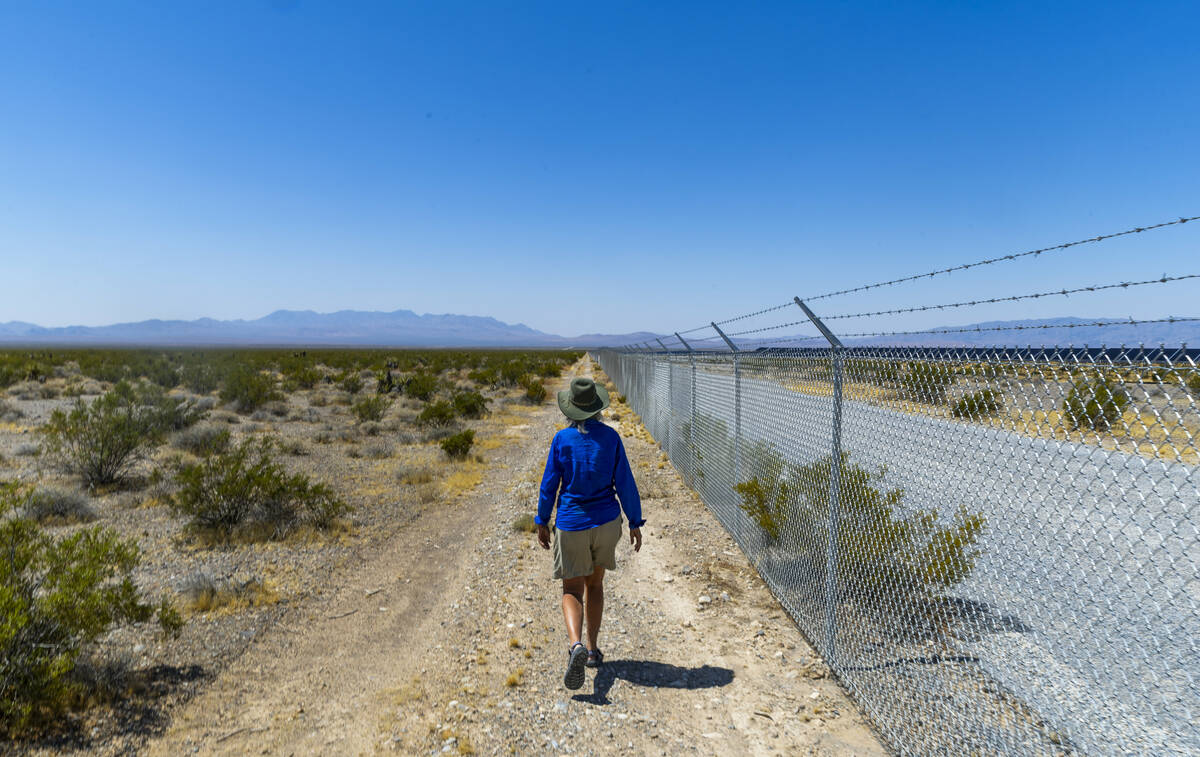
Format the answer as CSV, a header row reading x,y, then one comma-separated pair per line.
x,y
589,479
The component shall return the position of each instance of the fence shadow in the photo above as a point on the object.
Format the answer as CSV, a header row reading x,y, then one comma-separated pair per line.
x,y
650,673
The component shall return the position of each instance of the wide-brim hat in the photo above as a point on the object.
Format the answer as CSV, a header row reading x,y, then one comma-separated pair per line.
x,y
584,399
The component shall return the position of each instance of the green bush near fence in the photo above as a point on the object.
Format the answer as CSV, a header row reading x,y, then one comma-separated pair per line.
x,y
882,545
1094,403
977,405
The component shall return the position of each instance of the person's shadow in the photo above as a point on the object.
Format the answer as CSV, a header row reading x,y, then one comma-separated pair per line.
x,y
657,674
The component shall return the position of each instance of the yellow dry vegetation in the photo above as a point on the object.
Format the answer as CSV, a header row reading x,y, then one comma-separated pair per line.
x,y
225,601
1142,433
463,477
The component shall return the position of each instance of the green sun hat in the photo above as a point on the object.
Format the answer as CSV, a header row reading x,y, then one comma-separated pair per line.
x,y
584,399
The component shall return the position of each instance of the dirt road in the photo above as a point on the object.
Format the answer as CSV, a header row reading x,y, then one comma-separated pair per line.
x,y
449,639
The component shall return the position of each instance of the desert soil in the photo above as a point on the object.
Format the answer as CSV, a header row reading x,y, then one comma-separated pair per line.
x,y
447,638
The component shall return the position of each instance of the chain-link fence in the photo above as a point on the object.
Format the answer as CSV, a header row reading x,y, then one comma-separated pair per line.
x,y
996,551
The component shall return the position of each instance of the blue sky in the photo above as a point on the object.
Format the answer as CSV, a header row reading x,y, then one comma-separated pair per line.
x,y
589,167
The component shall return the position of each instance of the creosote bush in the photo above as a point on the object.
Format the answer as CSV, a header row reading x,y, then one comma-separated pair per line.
x,y
244,491
882,546
102,440
1094,403
351,383
56,596
371,408
248,389
421,386
977,405
470,404
436,414
458,446
926,382
535,391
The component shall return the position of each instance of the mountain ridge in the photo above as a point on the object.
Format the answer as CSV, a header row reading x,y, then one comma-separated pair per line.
x,y
405,328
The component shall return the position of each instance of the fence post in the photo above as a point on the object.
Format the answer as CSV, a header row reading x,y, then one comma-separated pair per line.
x,y
835,488
692,425
737,406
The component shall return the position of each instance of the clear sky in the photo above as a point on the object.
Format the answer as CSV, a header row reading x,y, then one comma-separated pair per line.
x,y
585,167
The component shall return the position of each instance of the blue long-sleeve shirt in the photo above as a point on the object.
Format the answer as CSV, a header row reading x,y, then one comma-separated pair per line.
x,y
593,472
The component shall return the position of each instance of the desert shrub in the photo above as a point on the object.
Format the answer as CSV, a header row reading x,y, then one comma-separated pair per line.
x,y
414,474
10,412
926,382
56,596
204,593
882,546
436,414
27,449
535,391
248,389
101,441
351,382
421,386
371,408
1192,382
1094,403
56,507
202,441
198,377
459,445
302,377
512,372
377,450
766,502
470,404
172,412
525,523
977,405
245,490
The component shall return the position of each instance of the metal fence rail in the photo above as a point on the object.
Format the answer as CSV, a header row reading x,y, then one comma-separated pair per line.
x,y
997,551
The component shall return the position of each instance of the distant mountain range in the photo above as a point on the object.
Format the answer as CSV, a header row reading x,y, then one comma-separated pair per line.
x,y
400,328
404,328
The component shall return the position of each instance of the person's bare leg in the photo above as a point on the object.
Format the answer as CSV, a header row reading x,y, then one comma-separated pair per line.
x,y
572,607
593,603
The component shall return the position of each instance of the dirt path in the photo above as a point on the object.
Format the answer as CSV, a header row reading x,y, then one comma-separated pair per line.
x,y
449,640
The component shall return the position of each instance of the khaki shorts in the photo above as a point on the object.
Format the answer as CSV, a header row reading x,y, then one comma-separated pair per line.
x,y
578,553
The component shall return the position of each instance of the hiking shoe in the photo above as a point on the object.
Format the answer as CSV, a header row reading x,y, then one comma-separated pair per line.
x,y
576,660
595,658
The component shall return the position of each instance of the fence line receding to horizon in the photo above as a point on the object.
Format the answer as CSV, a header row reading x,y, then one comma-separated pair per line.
x,y
996,550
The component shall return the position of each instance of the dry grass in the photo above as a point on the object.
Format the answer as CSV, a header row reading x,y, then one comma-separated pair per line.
x,y
205,595
515,678
524,523
463,477
1139,432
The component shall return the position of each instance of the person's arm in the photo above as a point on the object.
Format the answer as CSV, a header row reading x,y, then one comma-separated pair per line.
x,y
627,493
548,495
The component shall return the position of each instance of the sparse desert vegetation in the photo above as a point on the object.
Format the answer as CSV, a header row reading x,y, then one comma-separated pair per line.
x,y
229,481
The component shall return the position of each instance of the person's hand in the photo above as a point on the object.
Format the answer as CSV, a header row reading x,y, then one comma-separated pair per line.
x,y
635,538
544,536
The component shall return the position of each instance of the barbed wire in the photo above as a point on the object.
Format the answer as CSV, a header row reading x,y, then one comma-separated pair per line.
x,y
977,329
1002,258
770,328
756,314
1014,298
963,267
